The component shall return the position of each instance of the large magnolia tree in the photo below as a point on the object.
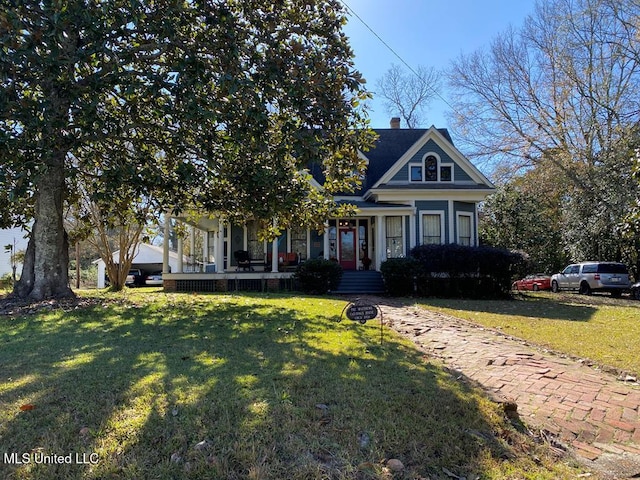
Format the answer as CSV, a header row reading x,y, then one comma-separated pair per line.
x,y
223,103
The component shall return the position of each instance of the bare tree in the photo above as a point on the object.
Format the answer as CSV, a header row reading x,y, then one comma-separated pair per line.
x,y
563,87
119,226
409,94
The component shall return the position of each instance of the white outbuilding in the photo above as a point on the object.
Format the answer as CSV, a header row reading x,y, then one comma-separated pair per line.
x,y
148,259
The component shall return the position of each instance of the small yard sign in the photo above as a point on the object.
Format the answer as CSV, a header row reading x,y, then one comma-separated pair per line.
x,y
360,312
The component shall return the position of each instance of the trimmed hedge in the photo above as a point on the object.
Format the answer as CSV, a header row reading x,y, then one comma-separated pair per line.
x,y
452,270
318,276
399,275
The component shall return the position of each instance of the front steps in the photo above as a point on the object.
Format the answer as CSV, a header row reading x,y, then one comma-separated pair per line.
x,y
360,282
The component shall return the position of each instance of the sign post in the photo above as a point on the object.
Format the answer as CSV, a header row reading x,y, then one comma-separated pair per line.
x,y
360,312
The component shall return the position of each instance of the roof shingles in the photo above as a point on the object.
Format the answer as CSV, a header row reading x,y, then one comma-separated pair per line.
x,y
390,145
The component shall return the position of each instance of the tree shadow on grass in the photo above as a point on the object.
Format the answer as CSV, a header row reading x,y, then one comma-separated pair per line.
x,y
217,386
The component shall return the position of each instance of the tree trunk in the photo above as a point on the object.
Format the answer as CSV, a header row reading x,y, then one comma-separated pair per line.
x,y
45,272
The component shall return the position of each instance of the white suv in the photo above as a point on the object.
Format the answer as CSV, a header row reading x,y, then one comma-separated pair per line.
x,y
590,277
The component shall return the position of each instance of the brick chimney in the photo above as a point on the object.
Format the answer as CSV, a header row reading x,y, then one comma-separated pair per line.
x,y
395,122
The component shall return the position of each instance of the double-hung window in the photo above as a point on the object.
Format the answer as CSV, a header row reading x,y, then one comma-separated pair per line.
x,y
431,229
299,242
394,237
255,246
464,230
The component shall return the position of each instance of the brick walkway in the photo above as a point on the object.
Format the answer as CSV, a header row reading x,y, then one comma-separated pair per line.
x,y
590,411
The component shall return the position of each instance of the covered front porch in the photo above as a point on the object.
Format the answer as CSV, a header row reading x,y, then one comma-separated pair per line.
x,y
221,256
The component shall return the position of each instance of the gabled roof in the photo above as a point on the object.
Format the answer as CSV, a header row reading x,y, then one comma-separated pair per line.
x,y
395,146
447,146
391,145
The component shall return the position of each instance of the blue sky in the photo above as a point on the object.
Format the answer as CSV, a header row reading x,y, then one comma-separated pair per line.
x,y
425,32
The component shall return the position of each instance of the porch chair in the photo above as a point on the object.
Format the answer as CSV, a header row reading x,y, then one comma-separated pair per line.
x,y
243,260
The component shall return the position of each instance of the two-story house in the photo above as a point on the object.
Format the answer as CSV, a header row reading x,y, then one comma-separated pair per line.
x,y
418,188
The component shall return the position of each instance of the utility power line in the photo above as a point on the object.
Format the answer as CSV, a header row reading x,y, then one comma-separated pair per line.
x,y
396,54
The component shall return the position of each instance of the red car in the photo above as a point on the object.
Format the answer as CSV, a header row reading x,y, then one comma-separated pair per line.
x,y
538,281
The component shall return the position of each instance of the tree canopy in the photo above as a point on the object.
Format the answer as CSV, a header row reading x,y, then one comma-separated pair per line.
x,y
526,214
561,94
564,86
205,104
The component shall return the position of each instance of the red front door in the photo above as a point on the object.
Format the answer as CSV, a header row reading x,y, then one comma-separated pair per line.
x,y
348,249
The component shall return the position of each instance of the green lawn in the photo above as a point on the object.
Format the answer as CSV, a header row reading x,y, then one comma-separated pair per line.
x,y
144,385
596,327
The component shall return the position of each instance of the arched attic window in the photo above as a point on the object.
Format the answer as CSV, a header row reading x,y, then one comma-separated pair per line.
x,y
431,169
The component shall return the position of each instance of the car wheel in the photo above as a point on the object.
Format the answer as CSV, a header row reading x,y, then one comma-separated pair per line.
x,y
636,294
536,288
554,287
585,289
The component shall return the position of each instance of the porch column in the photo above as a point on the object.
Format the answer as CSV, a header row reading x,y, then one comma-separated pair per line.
x,y
180,255
475,211
165,243
192,247
325,242
219,247
216,249
381,240
412,229
205,249
452,237
274,251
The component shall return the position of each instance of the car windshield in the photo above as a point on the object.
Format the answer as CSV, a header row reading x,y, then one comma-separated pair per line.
x,y
612,268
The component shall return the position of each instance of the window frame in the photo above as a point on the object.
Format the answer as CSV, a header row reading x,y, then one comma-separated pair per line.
x,y
468,215
303,231
254,244
439,213
413,166
388,249
424,167
445,165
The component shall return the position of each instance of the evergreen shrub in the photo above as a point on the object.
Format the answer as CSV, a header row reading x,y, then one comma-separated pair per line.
x,y
399,275
453,270
318,275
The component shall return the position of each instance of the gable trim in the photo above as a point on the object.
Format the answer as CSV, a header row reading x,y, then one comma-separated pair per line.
x,y
455,155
